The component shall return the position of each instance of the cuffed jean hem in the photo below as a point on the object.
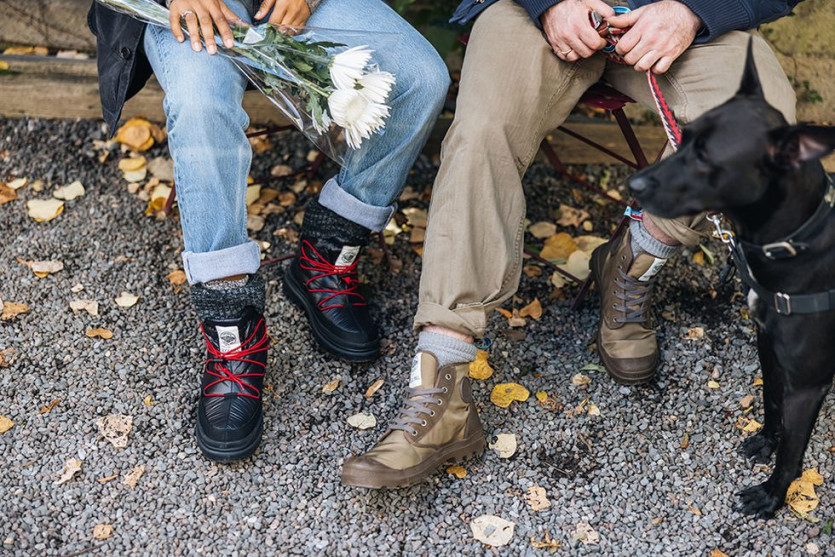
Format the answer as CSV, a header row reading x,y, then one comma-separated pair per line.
x,y
347,206
244,259
468,320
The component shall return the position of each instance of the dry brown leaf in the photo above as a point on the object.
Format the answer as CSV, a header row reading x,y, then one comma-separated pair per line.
x,y
100,332
6,357
577,265
126,300
532,310
516,320
537,498
373,388
480,368
137,134
584,533
90,306
102,531
6,194
332,385
5,424
542,229
417,235
255,223
546,543
557,280
504,312
504,394
758,382
10,310
42,268
746,402
107,478
748,425
558,247
580,380
718,553
569,216
281,170
115,429
532,270
71,468
694,509
158,197
47,408
458,471
685,441
70,191
362,421
44,210
492,530
133,476
505,444
593,409
415,217
696,333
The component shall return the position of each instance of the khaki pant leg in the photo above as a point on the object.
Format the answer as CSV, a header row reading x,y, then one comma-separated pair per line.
x,y
704,77
513,91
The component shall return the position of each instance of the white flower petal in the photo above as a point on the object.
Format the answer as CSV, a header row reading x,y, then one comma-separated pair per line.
x,y
347,67
376,86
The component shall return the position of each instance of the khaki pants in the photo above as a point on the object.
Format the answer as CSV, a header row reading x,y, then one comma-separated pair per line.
x,y
514,91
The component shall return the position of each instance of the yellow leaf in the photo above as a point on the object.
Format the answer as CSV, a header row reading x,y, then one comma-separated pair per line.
x,y
699,258
458,471
6,194
712,384
695,333
505,393
5,424
148,400
44,210
373,388
504,312
103,333
126,300
758,381
480,367
747,425
132,163
10,310
177,277
532,310
580,380
812,476
558,247
718,553
102,531
70,191
136,133
331,385
541,396
4,66
801,496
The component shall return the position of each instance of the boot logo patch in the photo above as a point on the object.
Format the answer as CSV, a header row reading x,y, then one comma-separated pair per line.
x,y
228,338
347,256
653,269
415,378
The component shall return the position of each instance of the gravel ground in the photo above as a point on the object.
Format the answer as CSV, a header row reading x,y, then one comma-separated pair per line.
x,y
624,472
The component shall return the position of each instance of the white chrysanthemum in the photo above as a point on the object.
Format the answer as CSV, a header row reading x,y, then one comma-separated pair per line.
x,y
356,114
324,125
376,86
347,67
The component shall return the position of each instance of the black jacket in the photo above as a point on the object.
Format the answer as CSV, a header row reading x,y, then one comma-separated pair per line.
x,y
123,67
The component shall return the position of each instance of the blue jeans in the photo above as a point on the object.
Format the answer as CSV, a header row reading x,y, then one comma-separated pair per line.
x,y
206,133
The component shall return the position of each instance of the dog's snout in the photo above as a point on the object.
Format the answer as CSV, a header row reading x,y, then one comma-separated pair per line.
x,y
639,184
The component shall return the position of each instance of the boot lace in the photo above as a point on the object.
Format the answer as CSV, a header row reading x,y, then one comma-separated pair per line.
x,y
220,370
634,295
311,260
417,404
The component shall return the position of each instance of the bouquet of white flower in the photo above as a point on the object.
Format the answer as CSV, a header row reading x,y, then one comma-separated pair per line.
x,y
334,94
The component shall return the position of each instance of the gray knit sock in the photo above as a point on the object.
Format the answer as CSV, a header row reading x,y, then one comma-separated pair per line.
x,y
228,299
642,241
446,349
331,229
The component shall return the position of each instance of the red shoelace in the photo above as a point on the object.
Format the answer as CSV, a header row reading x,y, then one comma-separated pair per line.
x,y
348,273
238,354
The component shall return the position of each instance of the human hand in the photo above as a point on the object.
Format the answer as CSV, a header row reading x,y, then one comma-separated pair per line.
x,y
289,13
569,31
202,16
660,32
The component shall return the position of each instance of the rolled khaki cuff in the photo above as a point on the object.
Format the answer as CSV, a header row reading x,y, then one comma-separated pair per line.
x,y
686,230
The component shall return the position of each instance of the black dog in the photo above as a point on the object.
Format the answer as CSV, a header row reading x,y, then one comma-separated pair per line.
x,y
742,159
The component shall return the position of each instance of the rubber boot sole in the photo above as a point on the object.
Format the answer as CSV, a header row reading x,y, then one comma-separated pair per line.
x,y
229,451
295,293
394,479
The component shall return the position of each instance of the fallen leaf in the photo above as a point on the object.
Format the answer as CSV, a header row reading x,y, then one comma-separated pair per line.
x,y
458,471
115,428
811,548
362,421
331,385
577,265
758,382
255,223
107,478
132,163
42,268
90,306
480,368
77,288
557,280
134,176
5,424
718,553
516,320
46,408
712,384
504,312
102,531
593,367
558,247
801,496
148,400
746,402
44,210
492,530
17,183
71,468
6,357
685,441
699,258
281,170
6,194
537,498
101,333
126,300
589,243
593,409
504,444
10,310
69,192
133,476
373,388
252,194
158,198
177,277
505,393
542,229
532,270
546,543
696,333
136,134
580,380
694,509
569,216
585,534
532,310
415,216
748,425
541,396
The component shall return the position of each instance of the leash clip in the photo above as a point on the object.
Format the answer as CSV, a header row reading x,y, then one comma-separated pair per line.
x,y
723,234
782,303
779,250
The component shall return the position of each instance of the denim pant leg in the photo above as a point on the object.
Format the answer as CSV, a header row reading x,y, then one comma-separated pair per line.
x,y
373,176
207,139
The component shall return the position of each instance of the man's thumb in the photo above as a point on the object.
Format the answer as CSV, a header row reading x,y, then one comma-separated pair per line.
x,y
601,8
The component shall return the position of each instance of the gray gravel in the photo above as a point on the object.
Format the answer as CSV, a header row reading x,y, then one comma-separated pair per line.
x,y
624,472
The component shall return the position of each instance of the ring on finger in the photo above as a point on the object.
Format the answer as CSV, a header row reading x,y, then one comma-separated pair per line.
x,y
187,12
566,52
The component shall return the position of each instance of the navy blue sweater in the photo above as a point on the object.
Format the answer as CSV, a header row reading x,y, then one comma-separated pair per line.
x,y
718,16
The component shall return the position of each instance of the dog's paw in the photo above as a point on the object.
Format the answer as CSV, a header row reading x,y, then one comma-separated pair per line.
x,y
759,448
759,501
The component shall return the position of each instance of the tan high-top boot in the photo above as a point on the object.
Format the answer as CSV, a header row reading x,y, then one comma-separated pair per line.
x,y
626,337
438,423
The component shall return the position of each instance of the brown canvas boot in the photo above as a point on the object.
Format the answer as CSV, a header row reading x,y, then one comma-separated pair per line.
x,y
437,423
626,336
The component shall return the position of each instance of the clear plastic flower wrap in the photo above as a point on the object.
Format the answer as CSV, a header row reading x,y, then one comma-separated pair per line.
x,y
334,94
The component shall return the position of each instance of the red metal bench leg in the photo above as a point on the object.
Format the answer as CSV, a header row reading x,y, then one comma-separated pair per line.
x,y
631,139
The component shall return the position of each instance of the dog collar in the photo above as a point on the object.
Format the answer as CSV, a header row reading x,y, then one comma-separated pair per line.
x,y
797,241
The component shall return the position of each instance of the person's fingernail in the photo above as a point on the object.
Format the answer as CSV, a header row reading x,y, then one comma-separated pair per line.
x,y
229,43
258,14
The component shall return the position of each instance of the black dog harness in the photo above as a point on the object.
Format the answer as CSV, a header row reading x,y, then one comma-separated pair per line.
x,y
792,245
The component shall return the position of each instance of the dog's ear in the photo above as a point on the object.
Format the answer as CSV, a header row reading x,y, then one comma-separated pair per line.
x,y
792,145
750,86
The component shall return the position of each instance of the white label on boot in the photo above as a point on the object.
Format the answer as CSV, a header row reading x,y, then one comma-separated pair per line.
x,y
347,256
653,269
415,378
228,338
